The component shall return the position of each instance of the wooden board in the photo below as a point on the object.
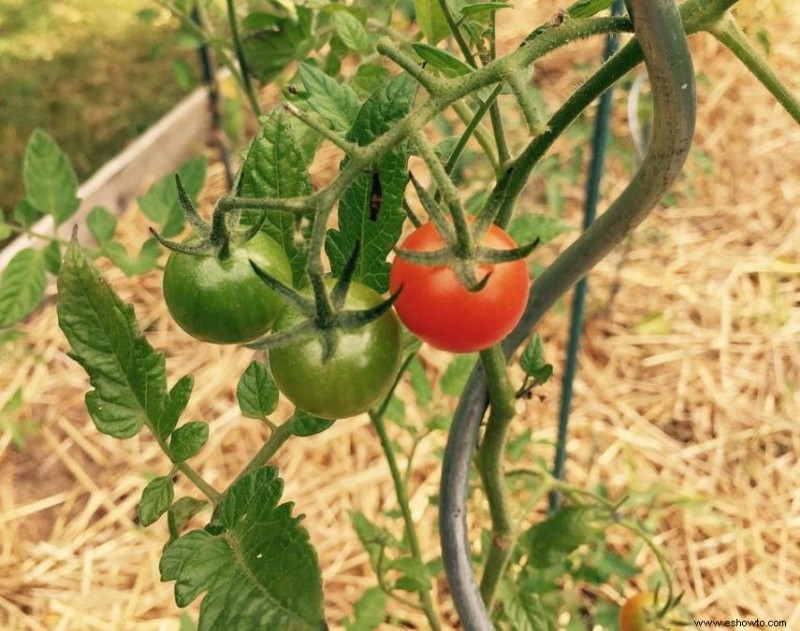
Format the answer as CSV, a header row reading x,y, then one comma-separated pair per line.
x,y
161,149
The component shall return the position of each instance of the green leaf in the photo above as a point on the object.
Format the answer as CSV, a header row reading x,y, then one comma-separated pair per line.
x,y
478,10
524,611
414,575
145,261
259,572
256,392
270,50
21,286
303,424
128,376
336,102
384,109
440,59
372,537
187,440
176,404
5,229
160,203
369,611
101,223
275,167
184,74
455,376
156,500
532,361
526,228
181,512
351,32
25,213
610,564
550,541
431,20
369,77
588,8
51,185
51,255
420,382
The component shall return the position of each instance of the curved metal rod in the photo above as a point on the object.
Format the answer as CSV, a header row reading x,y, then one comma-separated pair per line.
x,y
662,41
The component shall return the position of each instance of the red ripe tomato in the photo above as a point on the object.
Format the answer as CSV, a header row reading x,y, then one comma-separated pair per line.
x,y
441,311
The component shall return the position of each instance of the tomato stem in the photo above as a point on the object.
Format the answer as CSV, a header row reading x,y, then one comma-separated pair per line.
x,y
472,120
431,83
503,155
490,467
727,31
401,491
237,45
463,247
209,491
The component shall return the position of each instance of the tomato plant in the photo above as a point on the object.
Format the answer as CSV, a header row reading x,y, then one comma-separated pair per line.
x,y
436,306
334,351
357,376
224,302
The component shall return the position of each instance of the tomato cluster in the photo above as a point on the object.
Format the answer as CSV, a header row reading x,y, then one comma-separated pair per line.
x,y
224,302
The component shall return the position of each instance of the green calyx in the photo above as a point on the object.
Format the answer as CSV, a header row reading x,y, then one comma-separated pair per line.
x,y
216,238
324,312
461,251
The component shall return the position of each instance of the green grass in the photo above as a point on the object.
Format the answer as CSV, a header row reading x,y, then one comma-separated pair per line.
x,y
93,74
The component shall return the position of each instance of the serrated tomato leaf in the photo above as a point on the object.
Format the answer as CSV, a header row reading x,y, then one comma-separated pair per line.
x,y
336,102
275,166
269,50
377,231
258,572
369,612
303,424
450,65
187,440
552,540
128,376
256,391
432,21
156,500
21,286
176,404
181,512
351,31
51,185
160,203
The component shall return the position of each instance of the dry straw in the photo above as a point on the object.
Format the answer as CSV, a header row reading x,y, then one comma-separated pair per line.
x,y
688,388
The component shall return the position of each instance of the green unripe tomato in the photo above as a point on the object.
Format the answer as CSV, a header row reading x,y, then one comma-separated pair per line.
x,y
355,378
224,302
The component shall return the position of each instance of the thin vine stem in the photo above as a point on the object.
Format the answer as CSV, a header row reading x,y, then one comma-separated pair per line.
x,y
279,436
209,491
237,46
401,491
727,31
503,154
457,35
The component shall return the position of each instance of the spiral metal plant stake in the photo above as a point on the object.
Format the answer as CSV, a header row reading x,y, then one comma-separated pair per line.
x,y
661,40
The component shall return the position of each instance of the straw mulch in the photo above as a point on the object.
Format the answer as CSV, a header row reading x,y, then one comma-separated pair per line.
x,y
688,387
